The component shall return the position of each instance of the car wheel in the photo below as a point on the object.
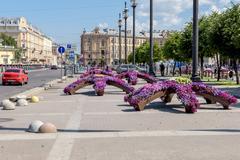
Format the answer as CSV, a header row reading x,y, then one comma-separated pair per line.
x,y
3,83
26,81
22,83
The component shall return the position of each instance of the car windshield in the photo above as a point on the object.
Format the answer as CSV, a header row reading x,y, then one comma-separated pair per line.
x,y
124,66
132,66
13,70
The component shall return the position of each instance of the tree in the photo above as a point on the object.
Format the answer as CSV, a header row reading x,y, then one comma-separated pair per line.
x,y
172,49
226,35
142,54
9,41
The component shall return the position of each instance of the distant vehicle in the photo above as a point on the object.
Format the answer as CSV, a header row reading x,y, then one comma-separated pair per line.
x,y
129,67
54,67
15,76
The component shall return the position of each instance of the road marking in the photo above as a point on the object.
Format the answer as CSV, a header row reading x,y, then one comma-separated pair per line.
x,y
62,148
67,139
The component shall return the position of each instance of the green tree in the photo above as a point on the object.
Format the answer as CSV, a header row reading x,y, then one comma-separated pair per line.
x,y
142,54
226,35
9,41
172,49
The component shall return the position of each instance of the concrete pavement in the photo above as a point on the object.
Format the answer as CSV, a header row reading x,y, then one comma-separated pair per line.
x,y
102,128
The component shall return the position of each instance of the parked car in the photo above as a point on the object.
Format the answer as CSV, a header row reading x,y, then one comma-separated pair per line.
x,y
129,67
54,67
15,76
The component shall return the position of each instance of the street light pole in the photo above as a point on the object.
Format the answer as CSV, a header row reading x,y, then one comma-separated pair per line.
x,y
195,76
134,4
120,39
151,71
125,13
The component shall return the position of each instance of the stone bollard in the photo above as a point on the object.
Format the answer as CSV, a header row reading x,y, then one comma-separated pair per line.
x,y
34,99
48,128
35,126
22,102
7,105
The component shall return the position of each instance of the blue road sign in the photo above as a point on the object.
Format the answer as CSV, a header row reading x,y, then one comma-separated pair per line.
x,y
61,50
69,46
71,55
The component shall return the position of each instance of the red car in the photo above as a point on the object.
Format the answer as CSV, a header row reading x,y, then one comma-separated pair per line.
x,y
15,76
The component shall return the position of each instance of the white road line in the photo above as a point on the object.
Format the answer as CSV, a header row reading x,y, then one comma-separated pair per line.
x,y
62,147
67,139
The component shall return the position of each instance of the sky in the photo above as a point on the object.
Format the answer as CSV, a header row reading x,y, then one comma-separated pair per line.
x,y
65,20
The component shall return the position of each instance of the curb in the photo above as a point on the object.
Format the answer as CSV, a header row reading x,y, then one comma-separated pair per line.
x,y
36,90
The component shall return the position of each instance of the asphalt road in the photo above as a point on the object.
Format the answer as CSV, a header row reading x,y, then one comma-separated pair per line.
x,y
36,79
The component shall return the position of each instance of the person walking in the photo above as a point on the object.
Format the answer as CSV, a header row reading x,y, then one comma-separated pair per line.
x,y
162,69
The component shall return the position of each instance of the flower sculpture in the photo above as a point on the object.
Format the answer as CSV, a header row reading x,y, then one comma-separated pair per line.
x,y
132,77
186,93
144,95
99,83
213,95
97,71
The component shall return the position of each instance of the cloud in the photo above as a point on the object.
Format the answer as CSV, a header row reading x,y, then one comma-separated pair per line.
x,y
103,25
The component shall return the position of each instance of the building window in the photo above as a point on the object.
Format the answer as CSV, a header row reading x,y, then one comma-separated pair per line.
x,y
102,43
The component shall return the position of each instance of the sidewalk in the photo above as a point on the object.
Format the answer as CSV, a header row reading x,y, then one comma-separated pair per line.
x,y
106,128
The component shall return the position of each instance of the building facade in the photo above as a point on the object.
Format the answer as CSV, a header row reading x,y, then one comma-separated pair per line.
x,y
102,47
36,46
6,54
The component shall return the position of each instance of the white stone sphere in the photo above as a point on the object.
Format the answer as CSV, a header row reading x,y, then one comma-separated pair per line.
x,y
34,126
7,105
22,102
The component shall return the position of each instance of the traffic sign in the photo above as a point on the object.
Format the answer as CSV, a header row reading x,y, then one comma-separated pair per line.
x,y
61,50
69,46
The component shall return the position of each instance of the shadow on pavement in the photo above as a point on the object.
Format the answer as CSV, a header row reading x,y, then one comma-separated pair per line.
x,y
5,120
160,106
217,130
87,131
60,130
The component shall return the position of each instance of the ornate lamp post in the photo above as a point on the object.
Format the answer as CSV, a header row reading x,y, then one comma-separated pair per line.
x,y
120,38
125,15
151,71
134,5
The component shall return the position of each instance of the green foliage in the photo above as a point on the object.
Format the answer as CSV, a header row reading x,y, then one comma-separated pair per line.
x,y
8,40
171,48
142,54
182,80
226,33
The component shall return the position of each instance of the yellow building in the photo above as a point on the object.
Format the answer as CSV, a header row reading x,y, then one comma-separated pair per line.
x,y
37,47
6,54
102,47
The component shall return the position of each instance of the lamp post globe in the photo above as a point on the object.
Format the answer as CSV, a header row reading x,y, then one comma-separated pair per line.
x,y
125,16
134,5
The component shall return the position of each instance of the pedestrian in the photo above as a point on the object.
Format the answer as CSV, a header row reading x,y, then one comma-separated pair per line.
x,y
162,68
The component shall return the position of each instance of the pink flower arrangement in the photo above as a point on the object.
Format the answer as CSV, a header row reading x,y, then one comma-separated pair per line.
x,y
99,83
132,77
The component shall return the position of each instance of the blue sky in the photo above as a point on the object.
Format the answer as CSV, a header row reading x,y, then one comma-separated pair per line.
x,y
65,20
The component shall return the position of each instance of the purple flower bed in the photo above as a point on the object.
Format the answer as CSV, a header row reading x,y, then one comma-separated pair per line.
x,y
100,83
97,71
133,76
204,89
146,91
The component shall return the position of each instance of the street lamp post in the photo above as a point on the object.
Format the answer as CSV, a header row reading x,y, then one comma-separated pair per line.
x,y
151,71
125,15
195,76
120,38
134,5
